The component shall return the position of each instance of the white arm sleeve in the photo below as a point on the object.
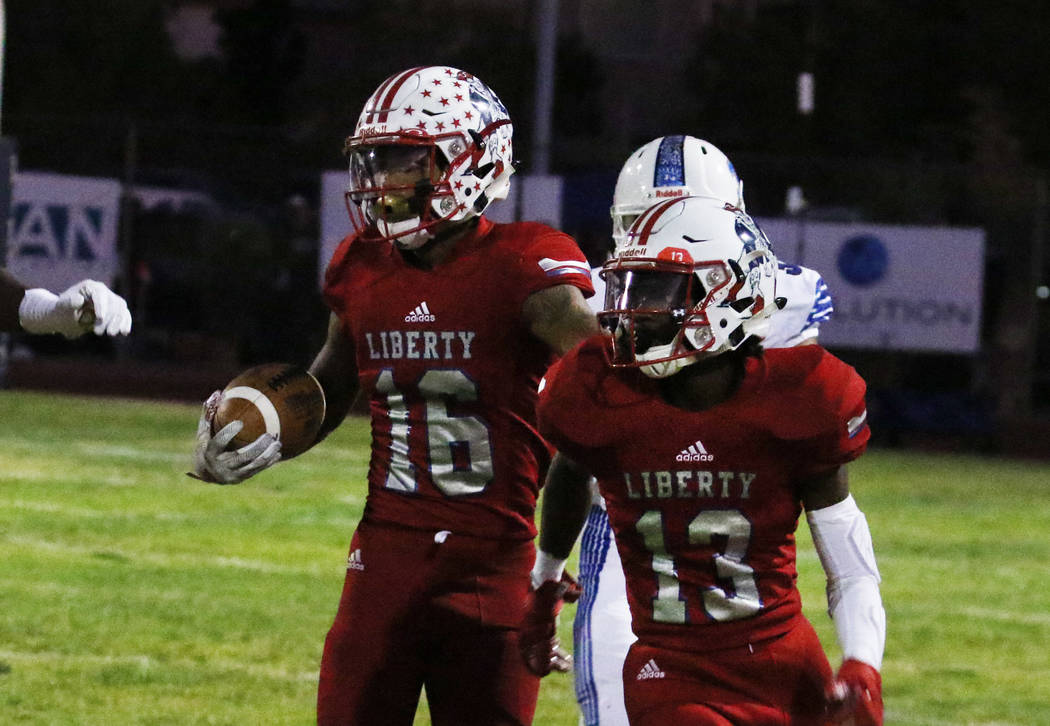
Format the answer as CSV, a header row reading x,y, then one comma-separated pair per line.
x,y
546,567
843,542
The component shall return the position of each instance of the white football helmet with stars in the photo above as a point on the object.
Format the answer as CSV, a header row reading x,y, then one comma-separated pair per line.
x,y
671,167
453,132
695,278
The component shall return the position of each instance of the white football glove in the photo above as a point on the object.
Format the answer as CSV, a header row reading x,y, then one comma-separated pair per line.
x,y
212,463
87,306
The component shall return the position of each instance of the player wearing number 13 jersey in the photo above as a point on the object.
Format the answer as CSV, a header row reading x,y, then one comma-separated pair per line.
x,y
707,449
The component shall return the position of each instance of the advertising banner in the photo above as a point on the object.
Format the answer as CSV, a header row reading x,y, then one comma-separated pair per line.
x,y
893,287
63,229
334,221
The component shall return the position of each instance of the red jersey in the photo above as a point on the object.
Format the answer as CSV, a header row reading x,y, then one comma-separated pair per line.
x,y
451,371
704,505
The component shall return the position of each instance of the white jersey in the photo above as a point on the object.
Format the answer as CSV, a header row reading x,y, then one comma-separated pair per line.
x,y
602,628
808,305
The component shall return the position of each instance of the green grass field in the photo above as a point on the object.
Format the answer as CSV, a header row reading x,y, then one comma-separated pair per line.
x,y
131,594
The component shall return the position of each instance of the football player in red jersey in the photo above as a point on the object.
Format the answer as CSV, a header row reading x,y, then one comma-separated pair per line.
x,y
445,322
88,306
707,449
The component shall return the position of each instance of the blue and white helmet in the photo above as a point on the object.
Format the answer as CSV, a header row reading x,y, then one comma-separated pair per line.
x,y
672,167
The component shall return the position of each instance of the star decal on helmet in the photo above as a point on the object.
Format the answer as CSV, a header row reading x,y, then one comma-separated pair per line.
x,y
469,132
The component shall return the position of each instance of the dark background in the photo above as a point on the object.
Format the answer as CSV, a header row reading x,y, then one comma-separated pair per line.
x,y
926,113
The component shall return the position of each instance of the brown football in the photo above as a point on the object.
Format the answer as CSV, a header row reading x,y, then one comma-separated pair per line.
x,y
278,398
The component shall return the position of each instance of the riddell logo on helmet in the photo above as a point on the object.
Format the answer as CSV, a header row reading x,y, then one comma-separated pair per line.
x,y
669,193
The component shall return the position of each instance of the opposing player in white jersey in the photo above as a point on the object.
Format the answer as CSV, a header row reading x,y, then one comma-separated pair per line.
x,y
664,168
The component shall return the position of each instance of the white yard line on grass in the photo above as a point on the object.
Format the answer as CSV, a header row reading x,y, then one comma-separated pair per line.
x,y
175,560
1006,616
145,662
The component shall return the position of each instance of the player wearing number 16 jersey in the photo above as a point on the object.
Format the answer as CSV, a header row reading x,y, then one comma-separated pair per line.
x,y
445,323
707,450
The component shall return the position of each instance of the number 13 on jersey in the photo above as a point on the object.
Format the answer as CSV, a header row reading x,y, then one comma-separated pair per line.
x,y
721,604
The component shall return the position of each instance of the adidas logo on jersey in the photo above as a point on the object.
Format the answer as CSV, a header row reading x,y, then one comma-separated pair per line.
x,y
650,671
353,562
421,314
694,452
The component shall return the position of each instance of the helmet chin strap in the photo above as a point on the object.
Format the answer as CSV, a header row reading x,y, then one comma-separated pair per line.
x,y
408,239
418,253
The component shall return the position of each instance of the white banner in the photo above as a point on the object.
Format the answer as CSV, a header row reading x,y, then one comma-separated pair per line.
x,y
63,229
535,198
894,288
333,218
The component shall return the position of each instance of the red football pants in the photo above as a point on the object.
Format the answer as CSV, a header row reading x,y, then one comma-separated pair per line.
x,y
415,612
777,682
